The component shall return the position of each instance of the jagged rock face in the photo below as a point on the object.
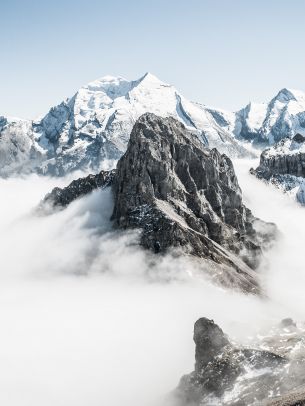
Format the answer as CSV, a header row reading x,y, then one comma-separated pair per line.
x,y
284,166
285,158
60,198
91,129
183,195
230,375
16,148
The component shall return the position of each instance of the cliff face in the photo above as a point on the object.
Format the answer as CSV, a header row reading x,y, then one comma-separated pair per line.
x,y
184,196
61,197
286,158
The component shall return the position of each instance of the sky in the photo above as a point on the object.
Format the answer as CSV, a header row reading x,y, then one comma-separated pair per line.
x,y
221,53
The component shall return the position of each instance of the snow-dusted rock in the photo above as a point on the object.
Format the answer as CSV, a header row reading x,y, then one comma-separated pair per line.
x,y
269,373
184,195
90,131
284,166
17,150
268,123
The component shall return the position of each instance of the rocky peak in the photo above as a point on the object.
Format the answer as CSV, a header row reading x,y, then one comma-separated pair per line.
x,y
210,341
148,77
285,95
299,138
268,123
227,374
183,195
283,165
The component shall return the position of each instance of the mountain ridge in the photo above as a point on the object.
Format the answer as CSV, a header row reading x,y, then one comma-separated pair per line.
x,y
268,123
90,130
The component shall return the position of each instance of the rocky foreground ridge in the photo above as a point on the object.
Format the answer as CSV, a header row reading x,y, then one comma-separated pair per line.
x,y
283,165
226,374
181,196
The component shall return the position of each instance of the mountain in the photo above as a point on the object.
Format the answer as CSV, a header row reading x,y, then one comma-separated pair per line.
x,y
283,165
271,373
90,131
268,123
183,196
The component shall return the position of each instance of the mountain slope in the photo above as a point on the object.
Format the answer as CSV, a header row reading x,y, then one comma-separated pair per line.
x,y
268,123
90,130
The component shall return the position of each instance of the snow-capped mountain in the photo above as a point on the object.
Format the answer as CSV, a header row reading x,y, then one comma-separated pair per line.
x,y
283,165
90,131
268,123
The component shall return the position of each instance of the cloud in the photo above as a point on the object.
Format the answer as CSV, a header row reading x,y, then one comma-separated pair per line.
x,y
87,317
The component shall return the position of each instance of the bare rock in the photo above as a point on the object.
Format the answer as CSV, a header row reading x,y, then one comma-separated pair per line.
x,y
60,198
183,195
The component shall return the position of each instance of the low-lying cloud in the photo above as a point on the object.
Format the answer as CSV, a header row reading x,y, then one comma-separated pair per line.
x,y
88,318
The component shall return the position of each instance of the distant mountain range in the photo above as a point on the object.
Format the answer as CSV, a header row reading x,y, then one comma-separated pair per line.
x,y
90,130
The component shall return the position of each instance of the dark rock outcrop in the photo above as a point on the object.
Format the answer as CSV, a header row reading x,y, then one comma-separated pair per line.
x,y
92,127
229,375
181,195
267,123
285,158
60,198
293,398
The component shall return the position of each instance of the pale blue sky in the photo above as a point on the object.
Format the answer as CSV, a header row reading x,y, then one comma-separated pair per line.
x,y
222,53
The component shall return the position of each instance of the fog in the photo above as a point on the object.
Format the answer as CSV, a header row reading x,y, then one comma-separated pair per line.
x,y
88,318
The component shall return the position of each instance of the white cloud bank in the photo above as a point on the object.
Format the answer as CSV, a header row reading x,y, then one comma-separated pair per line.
x,y
86,321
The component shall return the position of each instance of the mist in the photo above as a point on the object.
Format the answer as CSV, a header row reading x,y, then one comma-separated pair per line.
x,y
87,317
